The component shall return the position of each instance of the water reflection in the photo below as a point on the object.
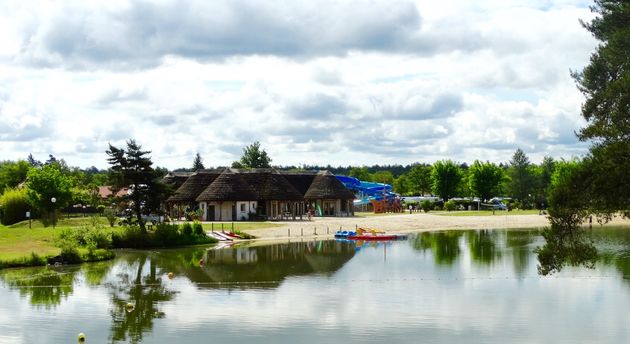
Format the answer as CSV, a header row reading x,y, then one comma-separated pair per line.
x,y
45,287
135,297
519,242
444,245
270,264
249,290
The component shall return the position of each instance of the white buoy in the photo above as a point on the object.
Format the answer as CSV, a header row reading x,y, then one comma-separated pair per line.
x,y
81,338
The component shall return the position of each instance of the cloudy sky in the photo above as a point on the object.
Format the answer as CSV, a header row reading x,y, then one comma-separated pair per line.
x,y
316,82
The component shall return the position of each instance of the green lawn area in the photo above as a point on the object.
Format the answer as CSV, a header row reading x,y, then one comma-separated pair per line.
x,y
485,212
18,241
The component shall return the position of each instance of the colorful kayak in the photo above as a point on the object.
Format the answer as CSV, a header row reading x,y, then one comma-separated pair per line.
x,y
362,234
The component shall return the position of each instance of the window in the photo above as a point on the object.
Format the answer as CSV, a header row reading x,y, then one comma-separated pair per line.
x,y
243,207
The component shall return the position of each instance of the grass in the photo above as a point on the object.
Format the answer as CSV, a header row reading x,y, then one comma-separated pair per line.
x,y
24,246
485,212
21,245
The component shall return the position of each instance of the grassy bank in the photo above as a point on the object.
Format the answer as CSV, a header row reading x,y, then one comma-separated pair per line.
x,y
24,246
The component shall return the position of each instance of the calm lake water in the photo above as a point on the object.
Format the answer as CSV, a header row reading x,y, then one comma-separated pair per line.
x,y
441,287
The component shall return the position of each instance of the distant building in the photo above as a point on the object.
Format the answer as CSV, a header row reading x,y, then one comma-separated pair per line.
x,y
237,194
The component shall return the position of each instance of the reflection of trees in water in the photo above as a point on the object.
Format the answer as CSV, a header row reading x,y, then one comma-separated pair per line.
x,y
482,244
443,245
565,246
519,242
45,287
144,290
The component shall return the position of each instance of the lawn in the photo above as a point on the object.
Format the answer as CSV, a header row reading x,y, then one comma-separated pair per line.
x,y
18,241
485,212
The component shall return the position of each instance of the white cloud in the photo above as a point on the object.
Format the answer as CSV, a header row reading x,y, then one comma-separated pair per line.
x,y
352,82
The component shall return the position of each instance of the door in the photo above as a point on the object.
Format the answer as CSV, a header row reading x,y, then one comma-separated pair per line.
x,y
234,212
210,214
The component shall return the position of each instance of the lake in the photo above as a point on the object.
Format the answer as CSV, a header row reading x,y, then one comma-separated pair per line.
x,y
438,287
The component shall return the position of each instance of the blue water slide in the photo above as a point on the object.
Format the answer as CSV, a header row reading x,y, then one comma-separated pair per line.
x,y
366,191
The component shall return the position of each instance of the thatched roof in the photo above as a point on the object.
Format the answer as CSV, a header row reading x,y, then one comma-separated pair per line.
x,y
228,187
270,185
176,179
326,185
194,185
300,180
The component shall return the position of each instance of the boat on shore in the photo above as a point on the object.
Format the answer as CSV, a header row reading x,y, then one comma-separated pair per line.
x,y
369,235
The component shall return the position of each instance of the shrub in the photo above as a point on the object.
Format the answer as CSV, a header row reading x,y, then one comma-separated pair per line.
x,y
13,206
67,241
437,207
426,205
110,214
165,234
186,229
198,228
450,205
130,236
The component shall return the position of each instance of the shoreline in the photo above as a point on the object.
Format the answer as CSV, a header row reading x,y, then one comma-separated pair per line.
x,y
405,223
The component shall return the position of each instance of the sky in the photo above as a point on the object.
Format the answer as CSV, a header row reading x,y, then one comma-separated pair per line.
x,y
316,82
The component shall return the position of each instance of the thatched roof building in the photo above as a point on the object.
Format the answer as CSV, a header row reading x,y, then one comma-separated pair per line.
x,y
270,185
326,186
194,186
228,186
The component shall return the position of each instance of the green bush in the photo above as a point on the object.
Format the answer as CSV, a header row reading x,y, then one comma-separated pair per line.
x,y
437,207
165,234
450,205
13,206
198,228
67,241
110,214
426,205
130,236
186,229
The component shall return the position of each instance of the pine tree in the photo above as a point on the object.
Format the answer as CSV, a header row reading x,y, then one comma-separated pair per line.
x,y
133,169
198,163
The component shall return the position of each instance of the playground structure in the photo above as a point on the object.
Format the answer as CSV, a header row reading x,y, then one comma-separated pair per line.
x,y
379,195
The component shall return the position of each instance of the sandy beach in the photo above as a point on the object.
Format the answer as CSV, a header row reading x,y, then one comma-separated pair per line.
x,y
405,223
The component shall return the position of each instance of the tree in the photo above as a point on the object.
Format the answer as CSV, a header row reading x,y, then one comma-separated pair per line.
x,y
401,185
253,157
385,177
419,179
31,160
445,176
46,183
198,163
133,169
13,173
485,179
605,83
360,173
521,176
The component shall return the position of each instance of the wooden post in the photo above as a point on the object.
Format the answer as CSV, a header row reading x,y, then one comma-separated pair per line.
x,y
315,231
289,232
212,226
301,231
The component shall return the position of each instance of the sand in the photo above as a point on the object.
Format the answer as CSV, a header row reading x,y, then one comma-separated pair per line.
x,y
404,223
